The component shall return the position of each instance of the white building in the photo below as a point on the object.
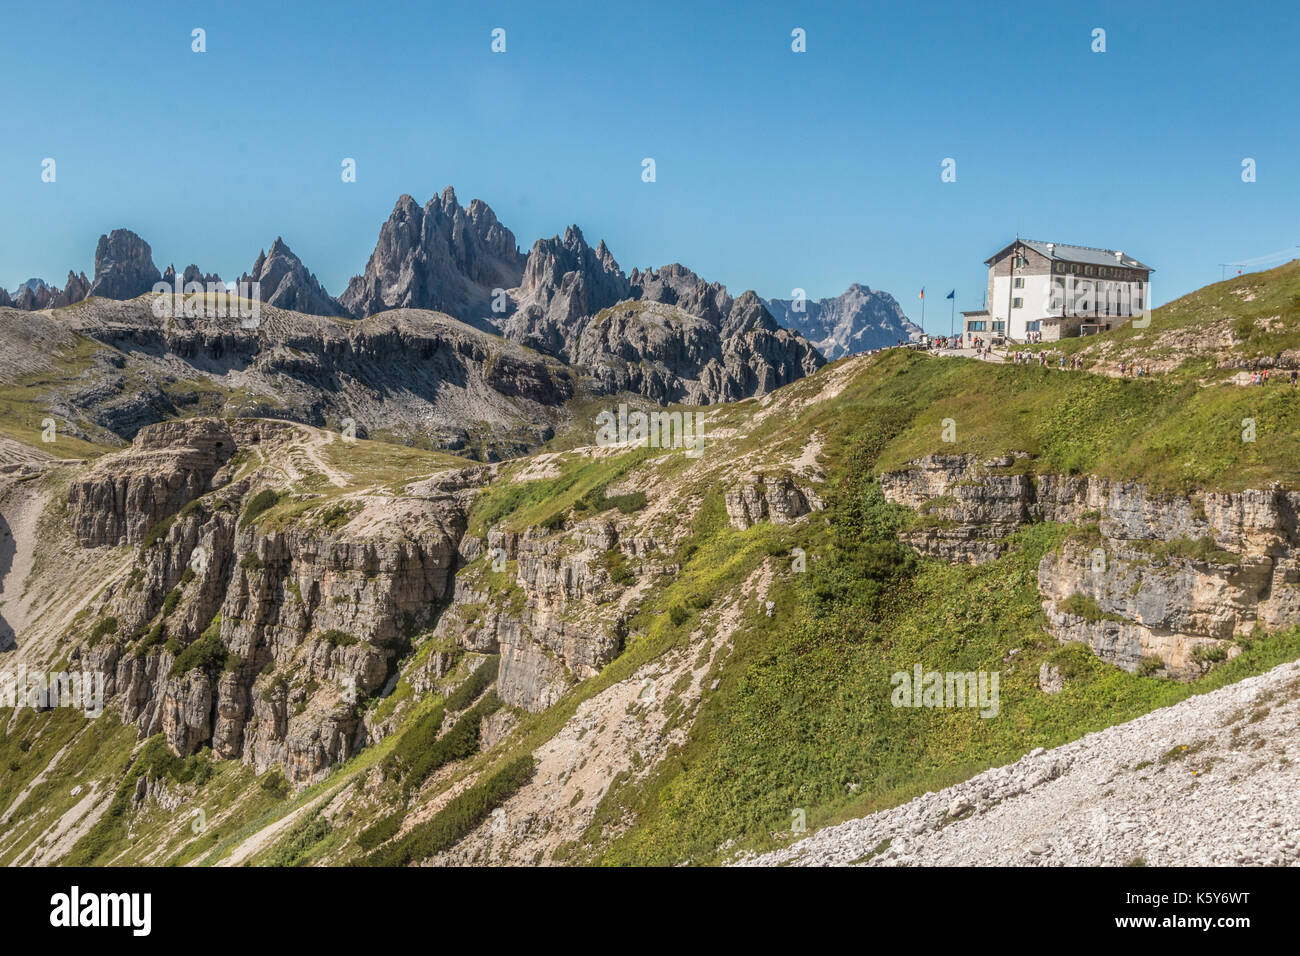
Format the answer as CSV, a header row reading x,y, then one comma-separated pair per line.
x,y
1044,291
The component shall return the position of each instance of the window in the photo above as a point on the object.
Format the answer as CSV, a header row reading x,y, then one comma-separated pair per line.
x,y
1074,270
1059,267
999,326
976,325
1090,270
1018,282
1033,326
1017,303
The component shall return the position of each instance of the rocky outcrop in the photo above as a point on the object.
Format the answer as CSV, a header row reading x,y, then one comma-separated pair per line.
x,y
192,275
258,640
74,290
441,257
124,266
668,355
674,284
284,282
564,283
1150,581
460,388
859,320
560,621
775,498
169,465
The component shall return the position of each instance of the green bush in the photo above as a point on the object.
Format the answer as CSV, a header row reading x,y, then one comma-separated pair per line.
x,y
337,638
305,835
157,532
105,627
170,601
207,654
261,502
457,818
380,831
475,684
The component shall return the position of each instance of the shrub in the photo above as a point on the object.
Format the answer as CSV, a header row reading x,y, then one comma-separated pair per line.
x,y
302,838
629,503
1149,664
103,628
335,516
170,601
261,502
207,654
457,818
381,831
337,638
157,532
251,562
475,684
273,782
1209,654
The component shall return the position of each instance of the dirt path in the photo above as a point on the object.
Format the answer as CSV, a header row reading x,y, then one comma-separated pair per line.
x,y
266,836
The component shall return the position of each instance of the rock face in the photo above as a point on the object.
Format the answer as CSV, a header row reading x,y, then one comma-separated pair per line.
x,y
684,341
169,465
36,294
192,274
296,623
441,257
859,320
769,498
564,283
563,622
461,388
124,266
74,290
1150,580
284,282
677,285
670,356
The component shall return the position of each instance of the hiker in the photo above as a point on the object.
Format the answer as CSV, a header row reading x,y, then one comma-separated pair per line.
x,y
1294,375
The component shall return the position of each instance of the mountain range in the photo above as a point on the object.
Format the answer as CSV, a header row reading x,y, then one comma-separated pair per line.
x,y
463,262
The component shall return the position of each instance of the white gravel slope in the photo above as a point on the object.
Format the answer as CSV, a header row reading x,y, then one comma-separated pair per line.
x,y
1127,793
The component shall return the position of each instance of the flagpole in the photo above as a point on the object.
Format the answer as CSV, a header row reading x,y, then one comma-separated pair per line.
x,y
922,308
952,318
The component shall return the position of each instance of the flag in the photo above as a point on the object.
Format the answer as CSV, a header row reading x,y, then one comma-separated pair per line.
x,y
951,295
922,295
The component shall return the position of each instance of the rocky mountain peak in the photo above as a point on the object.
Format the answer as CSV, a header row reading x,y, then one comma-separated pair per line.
x,y
442,257
859,319
285,283
124,266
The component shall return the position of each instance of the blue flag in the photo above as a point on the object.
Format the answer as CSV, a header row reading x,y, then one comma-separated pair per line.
x,y
951,294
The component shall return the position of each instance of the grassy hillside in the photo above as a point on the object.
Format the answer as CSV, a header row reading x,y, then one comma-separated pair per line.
x,y
796,714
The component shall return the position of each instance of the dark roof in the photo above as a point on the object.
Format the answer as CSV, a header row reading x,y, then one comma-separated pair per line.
x,y
1062,252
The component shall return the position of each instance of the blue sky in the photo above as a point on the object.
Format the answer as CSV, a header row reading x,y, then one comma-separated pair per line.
x,y
775,170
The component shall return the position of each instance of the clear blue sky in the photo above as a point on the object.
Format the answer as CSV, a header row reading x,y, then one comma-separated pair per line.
x,y
776,170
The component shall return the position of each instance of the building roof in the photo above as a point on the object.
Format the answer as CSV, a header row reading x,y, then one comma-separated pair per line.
x,y
1062,252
